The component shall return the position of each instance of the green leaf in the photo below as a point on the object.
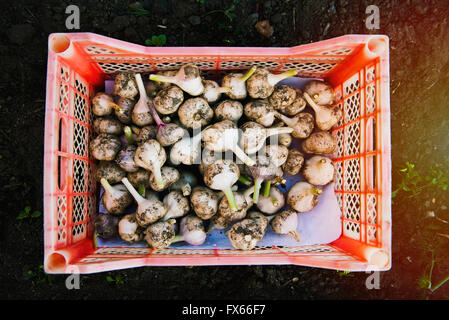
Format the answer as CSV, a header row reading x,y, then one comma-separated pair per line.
x,y
110,279
410,165
394,193
22,215
36,214
162,39
424,282
27,209
434,181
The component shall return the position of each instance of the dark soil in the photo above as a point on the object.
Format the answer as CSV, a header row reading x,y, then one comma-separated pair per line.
x,y
419,34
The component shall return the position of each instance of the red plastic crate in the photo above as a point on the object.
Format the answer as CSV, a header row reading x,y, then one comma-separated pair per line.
x,y
356,65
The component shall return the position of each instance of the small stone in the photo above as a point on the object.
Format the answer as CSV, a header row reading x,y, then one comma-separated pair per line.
x,y
195,20
264,28
443,207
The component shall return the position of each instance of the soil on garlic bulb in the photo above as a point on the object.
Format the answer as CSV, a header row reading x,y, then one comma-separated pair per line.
x,y
294,163
319,143
160,235
105,146
110,171
125,85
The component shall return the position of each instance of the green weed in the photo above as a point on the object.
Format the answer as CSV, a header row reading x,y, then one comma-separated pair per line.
x,y
157,41
116,280
414,182
27,214
425,281
39,276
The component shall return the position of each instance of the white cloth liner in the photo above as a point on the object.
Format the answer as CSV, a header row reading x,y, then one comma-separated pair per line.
x,y
321,225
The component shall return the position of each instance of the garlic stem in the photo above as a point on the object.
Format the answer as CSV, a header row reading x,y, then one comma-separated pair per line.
x,y
275,78
288,121
129,135
132,190
158,176
310,101
248,74
244,180
142,91
106,185
243,156
257,185
277,131
161,78
178,238
168,215
266,189
157,119
231,199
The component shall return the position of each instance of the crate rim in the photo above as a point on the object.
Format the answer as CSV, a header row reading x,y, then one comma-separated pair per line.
x,y
60,256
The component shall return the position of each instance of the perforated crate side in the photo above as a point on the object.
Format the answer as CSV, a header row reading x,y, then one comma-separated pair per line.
x,y
70,191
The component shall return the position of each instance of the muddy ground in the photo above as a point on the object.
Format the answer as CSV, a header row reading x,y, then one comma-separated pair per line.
x,y
419,35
